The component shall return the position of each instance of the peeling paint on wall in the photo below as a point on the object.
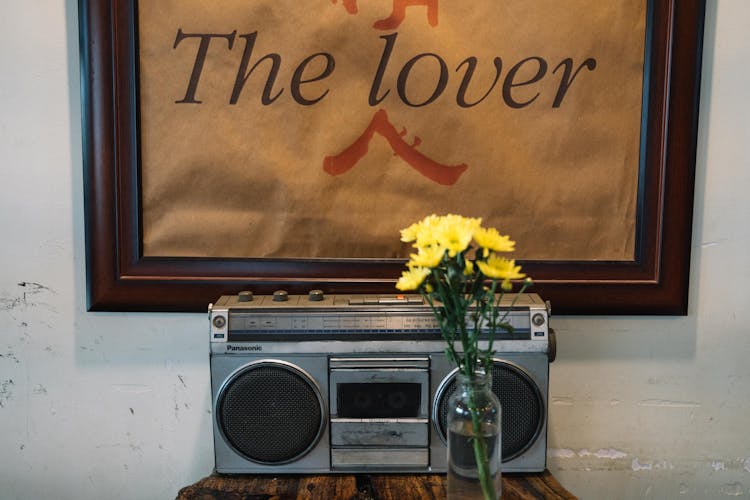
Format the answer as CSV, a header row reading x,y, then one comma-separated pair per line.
x,y
601,453
9,303
714,243
560,453
663,403
10,356
568,401
6,392
29,288
733,489
636,465
33,287
561,401
610,453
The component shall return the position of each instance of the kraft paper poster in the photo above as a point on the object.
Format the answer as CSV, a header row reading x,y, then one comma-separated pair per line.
x,y
319,128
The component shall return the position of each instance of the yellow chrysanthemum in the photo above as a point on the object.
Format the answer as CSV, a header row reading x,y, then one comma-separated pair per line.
x,y
469,269
421,233
409,234
497,267
412,278
427,257
491,239
455,233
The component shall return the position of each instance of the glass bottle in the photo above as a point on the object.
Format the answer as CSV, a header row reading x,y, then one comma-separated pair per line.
x,y
472,406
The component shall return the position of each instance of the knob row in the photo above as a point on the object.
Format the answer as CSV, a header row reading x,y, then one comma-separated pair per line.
x,y
281,296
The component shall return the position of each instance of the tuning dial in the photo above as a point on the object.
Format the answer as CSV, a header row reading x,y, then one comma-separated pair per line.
x,y
315,295
280,296
245,296
538,319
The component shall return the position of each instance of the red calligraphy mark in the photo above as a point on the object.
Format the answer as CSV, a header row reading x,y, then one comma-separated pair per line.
x,y
447,175
398,13
442,174
349,5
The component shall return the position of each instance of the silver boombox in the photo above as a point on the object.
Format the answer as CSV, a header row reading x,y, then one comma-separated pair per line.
x,y
360,383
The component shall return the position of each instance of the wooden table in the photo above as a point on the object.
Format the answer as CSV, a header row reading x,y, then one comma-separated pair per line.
x,y
359,487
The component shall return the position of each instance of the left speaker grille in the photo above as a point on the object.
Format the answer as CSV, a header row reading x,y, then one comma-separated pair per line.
x,y
270,413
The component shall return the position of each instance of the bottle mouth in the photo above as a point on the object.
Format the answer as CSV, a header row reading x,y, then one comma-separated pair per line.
x,y
479,378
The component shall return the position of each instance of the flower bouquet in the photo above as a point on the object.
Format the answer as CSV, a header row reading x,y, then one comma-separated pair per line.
x,y
459,271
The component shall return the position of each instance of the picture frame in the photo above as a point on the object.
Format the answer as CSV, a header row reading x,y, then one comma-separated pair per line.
x,y
120,278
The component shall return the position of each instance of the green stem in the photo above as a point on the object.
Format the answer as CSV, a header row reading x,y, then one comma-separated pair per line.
x,y
480,450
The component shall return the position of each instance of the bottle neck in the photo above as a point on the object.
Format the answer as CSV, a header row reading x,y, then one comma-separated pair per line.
x,y
480,381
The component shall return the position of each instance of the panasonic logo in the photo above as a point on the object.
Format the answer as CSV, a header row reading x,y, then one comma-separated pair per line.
x,y
245,348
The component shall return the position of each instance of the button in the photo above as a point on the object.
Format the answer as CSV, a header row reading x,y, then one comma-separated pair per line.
x,y
245,296
538,319
220,321
315,295
280,296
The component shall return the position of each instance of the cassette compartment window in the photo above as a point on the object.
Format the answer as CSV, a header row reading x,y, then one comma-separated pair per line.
x,y
379,400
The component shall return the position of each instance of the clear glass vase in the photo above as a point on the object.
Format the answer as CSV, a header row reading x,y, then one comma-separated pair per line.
x,y
474,440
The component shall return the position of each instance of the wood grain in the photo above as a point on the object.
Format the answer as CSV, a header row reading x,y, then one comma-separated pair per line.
x,y
360,487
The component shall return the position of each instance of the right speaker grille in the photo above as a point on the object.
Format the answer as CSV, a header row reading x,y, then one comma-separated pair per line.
x,y
523,411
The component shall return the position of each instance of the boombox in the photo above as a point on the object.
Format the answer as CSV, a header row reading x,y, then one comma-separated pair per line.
x,y
360,383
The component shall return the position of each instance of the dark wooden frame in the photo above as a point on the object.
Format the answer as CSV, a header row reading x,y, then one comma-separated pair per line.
x,y
120,278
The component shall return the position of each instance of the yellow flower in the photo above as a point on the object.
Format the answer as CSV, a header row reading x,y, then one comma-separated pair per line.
x,y
469,269
421,232
411,279
497,267
455,232
409,234
491,239
427,257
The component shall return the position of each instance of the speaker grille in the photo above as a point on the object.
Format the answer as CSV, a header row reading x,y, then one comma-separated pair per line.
x,y
521,402
270,413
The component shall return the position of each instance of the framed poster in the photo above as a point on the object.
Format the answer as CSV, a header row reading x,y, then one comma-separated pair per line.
x,y
281,144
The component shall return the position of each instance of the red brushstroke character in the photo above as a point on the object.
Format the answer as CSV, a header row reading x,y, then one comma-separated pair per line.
x,y
446,175
398,14
349,5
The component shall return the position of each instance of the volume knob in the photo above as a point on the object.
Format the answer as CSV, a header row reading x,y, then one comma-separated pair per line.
x,y
280,296
315,295
245,296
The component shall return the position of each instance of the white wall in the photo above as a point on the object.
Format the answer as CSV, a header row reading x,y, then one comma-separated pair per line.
x,y
105,405
660,407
